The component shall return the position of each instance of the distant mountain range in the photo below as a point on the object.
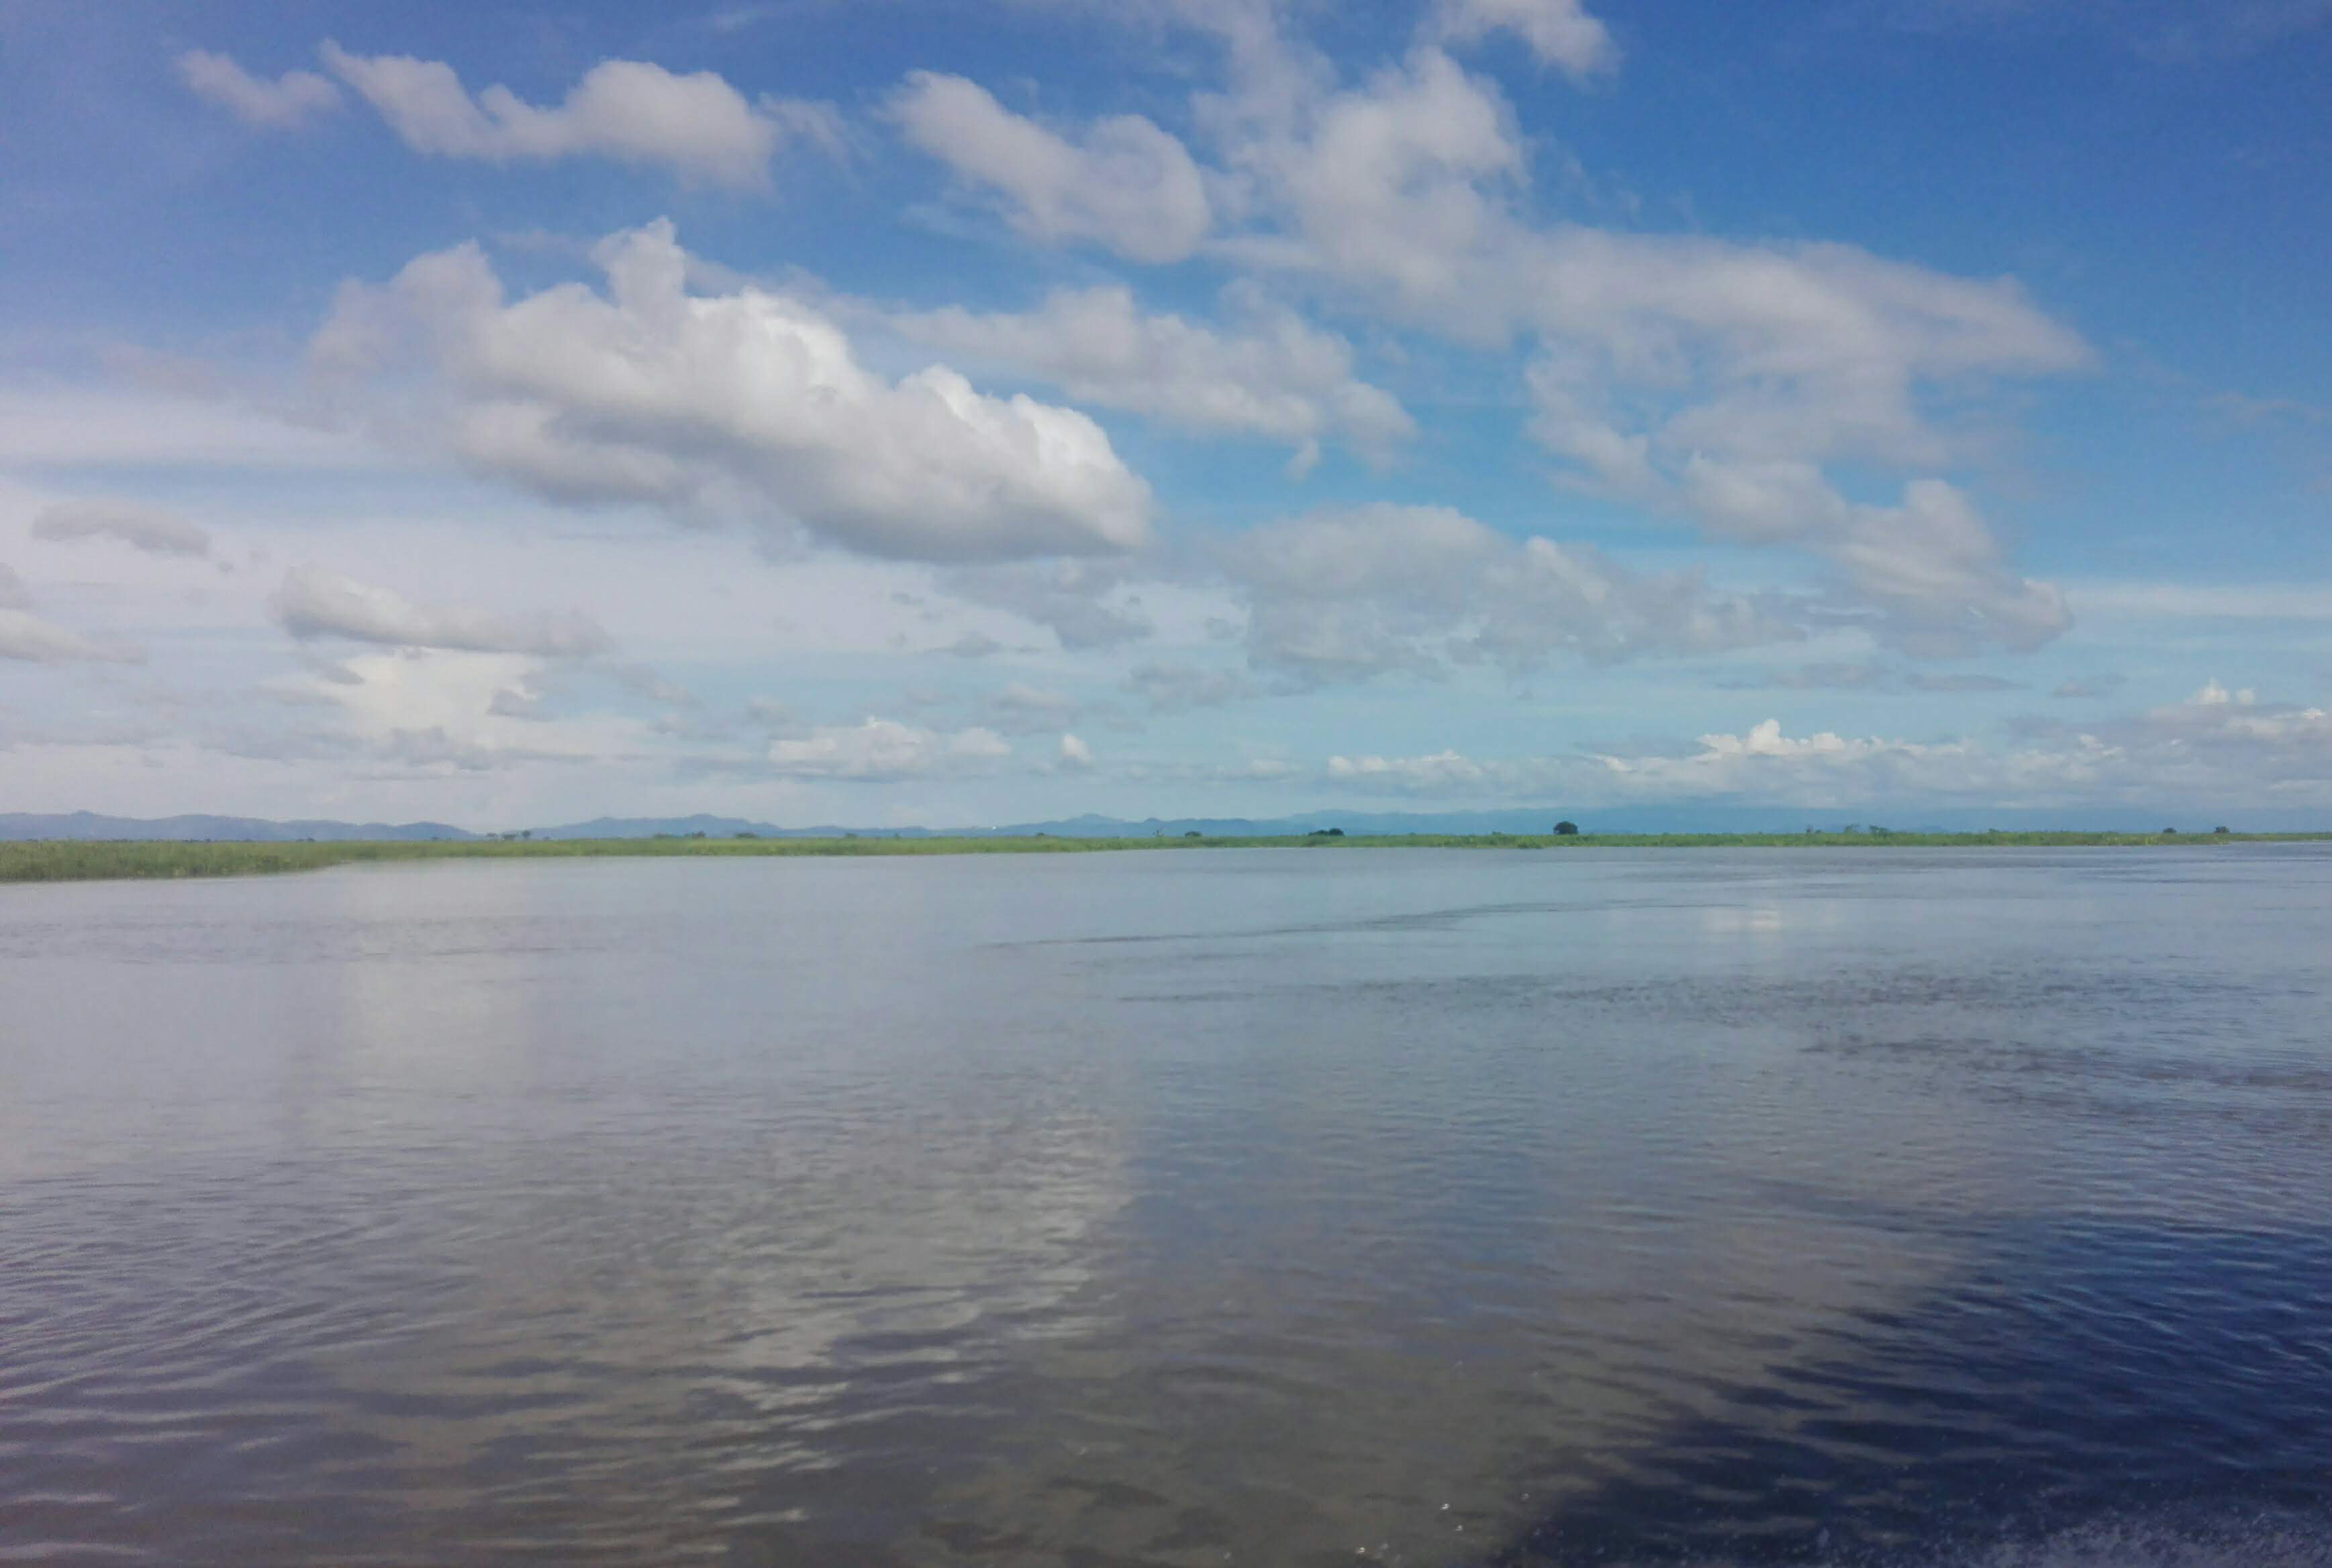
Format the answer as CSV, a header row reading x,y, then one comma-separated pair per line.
x,y
1679,819
90,825
671,826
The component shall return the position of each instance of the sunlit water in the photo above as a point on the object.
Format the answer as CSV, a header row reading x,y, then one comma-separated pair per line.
x,y
1266,1207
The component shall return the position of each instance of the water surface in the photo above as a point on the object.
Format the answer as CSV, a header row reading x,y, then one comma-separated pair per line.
x,y
1271,1206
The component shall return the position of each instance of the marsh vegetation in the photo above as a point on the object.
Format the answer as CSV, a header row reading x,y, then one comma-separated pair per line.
x,y
97,860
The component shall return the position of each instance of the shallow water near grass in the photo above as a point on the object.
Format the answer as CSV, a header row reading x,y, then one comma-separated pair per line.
x,y
1724,1208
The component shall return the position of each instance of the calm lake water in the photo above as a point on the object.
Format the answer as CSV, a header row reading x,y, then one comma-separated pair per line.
x,y
1261,1207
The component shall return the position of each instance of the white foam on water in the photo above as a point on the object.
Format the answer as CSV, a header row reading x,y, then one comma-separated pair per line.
x,y
2250,1539
2280,1540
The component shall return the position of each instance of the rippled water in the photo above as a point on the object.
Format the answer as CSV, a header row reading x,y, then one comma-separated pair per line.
x,y
1269,1206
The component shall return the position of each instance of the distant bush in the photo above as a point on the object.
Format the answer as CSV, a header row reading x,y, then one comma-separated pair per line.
x,y
1194,833
1566,829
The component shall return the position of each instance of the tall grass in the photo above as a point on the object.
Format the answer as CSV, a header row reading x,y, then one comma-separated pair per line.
x,y
93,860
54,860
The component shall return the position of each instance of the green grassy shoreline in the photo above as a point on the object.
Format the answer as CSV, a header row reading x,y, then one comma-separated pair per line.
x,y
86,860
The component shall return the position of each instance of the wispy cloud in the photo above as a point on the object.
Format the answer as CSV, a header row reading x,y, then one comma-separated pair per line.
x,y
282,103
142,527
313,603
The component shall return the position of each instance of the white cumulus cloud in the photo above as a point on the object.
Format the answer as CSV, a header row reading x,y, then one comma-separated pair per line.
x,y
1126,184
1930,566
746,402
1087,604
696,125
452,709
1560,32
2218,750
1441,771
1276,375
1347,595
880,750
1721,381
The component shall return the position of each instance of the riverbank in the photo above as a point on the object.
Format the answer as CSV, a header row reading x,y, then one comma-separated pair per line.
x,y
104,860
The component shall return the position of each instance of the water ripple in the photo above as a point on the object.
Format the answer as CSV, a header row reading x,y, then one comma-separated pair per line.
x,y
1936,1213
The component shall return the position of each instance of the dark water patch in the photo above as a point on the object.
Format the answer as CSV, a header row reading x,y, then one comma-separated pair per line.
x,y
2164,1390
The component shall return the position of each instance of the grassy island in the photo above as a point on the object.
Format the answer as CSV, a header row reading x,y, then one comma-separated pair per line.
x,y
85,860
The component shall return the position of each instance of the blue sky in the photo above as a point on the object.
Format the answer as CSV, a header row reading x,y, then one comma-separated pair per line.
x,y
908,411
